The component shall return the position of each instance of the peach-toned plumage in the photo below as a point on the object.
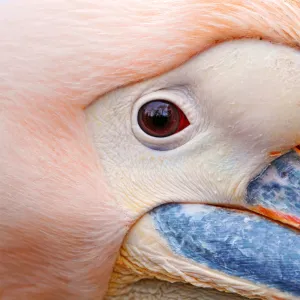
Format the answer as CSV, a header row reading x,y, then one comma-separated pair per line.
x,y
60,229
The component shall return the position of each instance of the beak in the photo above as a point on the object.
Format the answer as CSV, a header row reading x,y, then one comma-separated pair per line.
x,y
239,245
275,193
231,250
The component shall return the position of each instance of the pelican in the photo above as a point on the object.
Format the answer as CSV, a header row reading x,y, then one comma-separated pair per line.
x,y
150,150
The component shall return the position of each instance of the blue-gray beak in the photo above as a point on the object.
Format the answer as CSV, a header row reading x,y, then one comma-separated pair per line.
x,y
242,244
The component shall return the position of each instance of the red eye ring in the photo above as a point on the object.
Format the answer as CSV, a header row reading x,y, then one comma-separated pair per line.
x,y
161,118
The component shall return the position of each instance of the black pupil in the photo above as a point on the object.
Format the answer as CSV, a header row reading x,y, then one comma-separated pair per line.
x,y
159,118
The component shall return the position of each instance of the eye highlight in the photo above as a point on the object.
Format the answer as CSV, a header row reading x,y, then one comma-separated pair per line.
x,y
161,118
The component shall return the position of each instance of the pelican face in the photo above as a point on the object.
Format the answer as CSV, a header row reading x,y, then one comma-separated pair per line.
x,y
204,161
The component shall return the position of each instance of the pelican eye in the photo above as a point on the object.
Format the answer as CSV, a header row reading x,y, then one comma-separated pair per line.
x,y
161,118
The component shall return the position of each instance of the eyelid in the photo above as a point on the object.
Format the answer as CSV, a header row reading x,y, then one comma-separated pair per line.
x,y
180,99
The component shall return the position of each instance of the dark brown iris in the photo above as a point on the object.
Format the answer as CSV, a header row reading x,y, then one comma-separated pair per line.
x,y
160,118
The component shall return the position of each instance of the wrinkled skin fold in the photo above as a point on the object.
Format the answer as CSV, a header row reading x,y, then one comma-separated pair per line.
x,y
155,289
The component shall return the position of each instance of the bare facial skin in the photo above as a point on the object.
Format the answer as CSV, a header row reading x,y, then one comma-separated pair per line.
x,y
61,226
242,100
